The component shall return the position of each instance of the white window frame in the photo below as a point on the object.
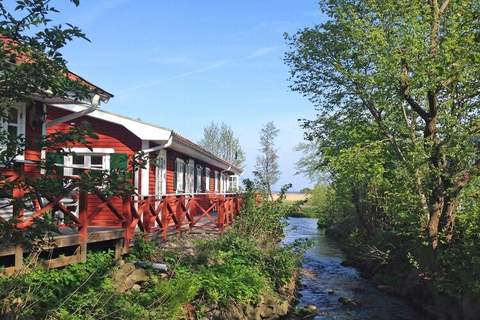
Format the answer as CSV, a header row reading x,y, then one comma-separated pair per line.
x,y
207,179
161,173
233,182
21,121
86,153
180,164
198,177
190,178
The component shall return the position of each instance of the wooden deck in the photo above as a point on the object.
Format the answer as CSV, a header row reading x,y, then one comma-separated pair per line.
x,y
64,249
67,247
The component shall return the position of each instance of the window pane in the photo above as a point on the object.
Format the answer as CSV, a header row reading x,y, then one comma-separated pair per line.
x,y
77,159
13,131
13,115
96,161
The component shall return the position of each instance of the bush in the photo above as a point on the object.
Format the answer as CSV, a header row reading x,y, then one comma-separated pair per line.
x,y
142,249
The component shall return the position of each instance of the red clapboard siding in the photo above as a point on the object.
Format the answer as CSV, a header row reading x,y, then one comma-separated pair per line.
x,y
110,135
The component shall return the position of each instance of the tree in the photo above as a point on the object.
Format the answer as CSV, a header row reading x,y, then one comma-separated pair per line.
x,y
220,140
32,68
405,77
266,169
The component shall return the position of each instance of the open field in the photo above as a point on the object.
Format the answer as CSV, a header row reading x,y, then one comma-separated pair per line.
x,y
293,196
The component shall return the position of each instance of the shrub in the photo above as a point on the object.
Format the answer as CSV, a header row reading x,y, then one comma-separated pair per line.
x,y
142,249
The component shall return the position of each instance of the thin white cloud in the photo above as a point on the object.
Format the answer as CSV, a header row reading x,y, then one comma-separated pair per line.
x,y
260,52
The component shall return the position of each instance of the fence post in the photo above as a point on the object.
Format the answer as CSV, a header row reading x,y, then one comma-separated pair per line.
x,y
165,218
83,228
221,213
126,224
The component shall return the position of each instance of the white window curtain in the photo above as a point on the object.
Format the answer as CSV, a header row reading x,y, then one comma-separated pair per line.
x,y
215,181
190,179
180,175
198,183
14,124
207,179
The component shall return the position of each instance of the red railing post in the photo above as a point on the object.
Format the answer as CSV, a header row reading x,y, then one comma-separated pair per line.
x,y
165,218
83,226
221,213
127,223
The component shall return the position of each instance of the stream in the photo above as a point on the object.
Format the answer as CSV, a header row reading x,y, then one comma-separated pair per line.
x,y
325,283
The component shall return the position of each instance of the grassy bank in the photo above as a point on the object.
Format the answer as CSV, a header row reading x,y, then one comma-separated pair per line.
x,y
237,269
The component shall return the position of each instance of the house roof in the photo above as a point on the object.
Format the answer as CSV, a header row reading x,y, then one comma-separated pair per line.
x,y
156,134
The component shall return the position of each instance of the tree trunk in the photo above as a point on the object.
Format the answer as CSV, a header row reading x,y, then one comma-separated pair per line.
x,y
449,215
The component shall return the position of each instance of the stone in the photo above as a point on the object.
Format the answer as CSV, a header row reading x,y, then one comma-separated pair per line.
x,y
127,276
136,288
348,302
311,308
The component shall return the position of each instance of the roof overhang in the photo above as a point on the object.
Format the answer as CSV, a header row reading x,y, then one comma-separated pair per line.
x,y
160,136
193,150
142,130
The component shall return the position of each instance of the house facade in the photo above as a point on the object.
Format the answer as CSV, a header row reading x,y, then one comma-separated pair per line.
x,y
176,166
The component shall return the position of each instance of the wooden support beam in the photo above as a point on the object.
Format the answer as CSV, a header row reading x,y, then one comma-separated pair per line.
x,y
18,258
83,228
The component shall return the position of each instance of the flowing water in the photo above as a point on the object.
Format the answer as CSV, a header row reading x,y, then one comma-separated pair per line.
x,y
325,281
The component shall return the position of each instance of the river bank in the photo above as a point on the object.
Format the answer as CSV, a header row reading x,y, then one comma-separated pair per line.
x,y
404,281
339,291
244,273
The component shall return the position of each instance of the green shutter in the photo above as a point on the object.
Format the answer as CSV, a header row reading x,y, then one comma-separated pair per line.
x,y
118,161
55,158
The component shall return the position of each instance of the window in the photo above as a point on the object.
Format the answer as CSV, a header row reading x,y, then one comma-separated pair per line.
x,y
161,173
198,179
224,183
233,183
180,175
190,179
14,124
77,163
207,179
215,181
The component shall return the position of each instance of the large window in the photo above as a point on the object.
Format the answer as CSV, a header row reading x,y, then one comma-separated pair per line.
x,y
14,124
233,183
161,173
198,179
190,178
207,179
215,181
180,175
78,163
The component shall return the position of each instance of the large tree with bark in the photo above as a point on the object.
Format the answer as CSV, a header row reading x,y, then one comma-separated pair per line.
x,y
32,68
403,77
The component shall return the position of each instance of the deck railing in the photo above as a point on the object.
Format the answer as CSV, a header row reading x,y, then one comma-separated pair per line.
x,y
163,215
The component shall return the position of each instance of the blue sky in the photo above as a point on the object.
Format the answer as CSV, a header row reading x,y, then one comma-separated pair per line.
x,y
184,63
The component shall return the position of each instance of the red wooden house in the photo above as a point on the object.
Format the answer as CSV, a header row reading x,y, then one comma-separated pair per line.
x,y
182,184
177,166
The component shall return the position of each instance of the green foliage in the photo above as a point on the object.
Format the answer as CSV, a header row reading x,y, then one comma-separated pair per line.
x,y
220,140
233,279
142,249
86,291
263,222
396,87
